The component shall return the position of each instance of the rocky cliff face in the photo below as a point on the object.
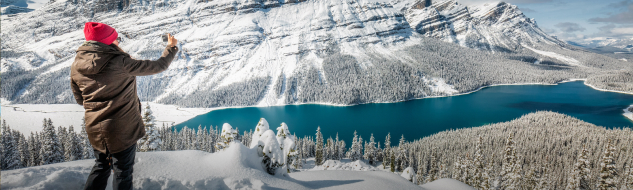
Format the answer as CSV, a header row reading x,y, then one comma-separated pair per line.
x,y
494,26
275,52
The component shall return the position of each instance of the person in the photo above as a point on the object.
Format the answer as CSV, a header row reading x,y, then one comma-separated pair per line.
x,y
103,80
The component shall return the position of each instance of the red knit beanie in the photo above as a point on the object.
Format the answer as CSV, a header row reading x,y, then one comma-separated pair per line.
x,y
100,32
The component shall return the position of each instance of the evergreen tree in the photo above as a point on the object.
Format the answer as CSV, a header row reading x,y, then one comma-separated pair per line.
x,y
341,152
392,158
478,165
507,164
432,170
387,152
337,149
530,181
298,161
354,152
319,147
287,144
457,169
419,175
628,177
442,173
73,146
370,153
486,177
608,173
544,179
23,149
226,137
151,141
328,150
34,150
62,135
51,151
579,179
10,154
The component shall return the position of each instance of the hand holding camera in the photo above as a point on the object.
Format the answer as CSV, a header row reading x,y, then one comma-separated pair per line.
x,y
171,40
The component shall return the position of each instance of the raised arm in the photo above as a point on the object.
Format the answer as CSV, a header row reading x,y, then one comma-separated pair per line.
x,y
146,67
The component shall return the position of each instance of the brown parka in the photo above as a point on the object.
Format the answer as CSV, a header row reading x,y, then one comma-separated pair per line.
x,y
103,80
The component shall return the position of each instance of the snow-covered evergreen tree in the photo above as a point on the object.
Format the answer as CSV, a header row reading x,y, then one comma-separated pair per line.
x,y
51,151
579,179
319,148
370,148
478,165
337,149
62,135
23,146
408,174
328,149
545,182
354,152
268,147
628,177
419,175
530,179
392,161
73,146
226,137
10,153
341,151
34,150
508,164
298,159
287,144
433,168
608,171
486,178
386,151
151,141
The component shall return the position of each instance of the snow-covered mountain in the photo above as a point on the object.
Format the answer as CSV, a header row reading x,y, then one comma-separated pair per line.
x,y
276,52
491,26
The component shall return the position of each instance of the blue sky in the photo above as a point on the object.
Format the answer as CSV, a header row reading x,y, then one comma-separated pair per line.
x,y
578,20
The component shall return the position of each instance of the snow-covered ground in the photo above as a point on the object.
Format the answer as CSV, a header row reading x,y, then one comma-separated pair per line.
x,y
237,167
628,113
27,118
562,58
446,183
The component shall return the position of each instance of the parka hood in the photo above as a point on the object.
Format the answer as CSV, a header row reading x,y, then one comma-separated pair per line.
x,y
92,56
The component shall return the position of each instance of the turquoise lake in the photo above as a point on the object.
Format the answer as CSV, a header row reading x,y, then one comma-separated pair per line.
x,y
423,117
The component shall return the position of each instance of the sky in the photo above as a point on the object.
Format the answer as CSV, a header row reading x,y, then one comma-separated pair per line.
x,y
577,20
570,20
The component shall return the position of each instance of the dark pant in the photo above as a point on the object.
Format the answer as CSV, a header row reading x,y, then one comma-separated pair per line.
x,y
123,165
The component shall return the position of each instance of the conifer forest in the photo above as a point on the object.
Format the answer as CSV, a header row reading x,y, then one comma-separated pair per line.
x,y
541,150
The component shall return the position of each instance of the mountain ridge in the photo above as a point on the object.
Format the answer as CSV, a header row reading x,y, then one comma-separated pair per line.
x,y
244,53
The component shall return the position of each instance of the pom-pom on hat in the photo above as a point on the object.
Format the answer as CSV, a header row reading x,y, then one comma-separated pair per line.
x,y
100,32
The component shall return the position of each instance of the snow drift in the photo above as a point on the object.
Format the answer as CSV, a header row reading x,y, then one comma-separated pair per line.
x,y
237,167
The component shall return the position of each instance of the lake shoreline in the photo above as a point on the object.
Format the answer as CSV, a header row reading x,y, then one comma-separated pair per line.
x,y
173,114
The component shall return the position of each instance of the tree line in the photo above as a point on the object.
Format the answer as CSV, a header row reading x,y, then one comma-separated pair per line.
x,y
542,150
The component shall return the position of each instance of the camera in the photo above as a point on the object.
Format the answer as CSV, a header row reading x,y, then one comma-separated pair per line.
x,y
165,38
